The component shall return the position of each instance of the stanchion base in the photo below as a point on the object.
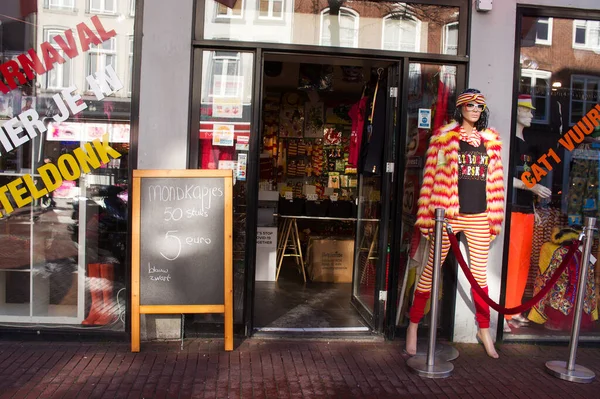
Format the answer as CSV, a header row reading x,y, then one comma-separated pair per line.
x,y
440,368
580,374
442,351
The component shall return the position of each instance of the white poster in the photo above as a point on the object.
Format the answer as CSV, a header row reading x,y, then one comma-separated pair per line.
x,y
266,253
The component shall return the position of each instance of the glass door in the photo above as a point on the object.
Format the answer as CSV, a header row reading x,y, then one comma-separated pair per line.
x,y
369,291
431,94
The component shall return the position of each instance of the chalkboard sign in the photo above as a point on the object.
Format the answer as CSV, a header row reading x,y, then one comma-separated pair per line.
x,y
182,244
181,241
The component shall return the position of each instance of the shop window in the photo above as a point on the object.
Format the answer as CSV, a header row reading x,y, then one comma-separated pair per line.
x,y
348,21
537,83
270,9
543,33
237,12
61,4
102,55
586,35
450,39
60,76
401,33
584,95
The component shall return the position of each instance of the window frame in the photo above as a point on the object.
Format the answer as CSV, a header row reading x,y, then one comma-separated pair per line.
x,y
445,35
132,8
534,75
229,14
585,79
49,33
548,41
102,9
577,23
347,10
209,95
61,6
270,16
398,47
101,52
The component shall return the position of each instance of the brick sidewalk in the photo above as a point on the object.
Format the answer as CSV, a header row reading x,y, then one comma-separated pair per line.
x,y
261,368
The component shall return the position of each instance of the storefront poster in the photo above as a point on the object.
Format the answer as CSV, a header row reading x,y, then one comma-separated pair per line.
x,y
424,118
120,133
227,96
95,131
241,166
223,135
65,131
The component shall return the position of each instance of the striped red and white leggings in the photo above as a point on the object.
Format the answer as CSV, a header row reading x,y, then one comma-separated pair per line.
x,y
476,229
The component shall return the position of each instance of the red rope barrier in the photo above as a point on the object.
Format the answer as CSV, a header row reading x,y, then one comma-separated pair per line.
x,y
517,309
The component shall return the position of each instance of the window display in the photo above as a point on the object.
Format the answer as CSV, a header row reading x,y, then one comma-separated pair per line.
x,y
64,167
555,175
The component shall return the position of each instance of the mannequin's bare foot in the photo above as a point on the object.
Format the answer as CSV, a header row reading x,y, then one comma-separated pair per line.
x,y
483,334
411,338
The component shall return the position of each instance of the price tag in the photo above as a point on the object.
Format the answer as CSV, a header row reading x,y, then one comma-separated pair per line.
x,y
289,195
333,197
312,197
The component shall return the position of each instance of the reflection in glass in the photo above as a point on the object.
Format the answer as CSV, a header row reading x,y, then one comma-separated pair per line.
x,y
547,214
224,136
437,96
388,25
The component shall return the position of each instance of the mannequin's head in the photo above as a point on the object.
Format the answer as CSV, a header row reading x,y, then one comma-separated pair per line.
x,y
471,106
524,110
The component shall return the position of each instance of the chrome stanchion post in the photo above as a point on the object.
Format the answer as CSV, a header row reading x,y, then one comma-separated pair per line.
x,y
570,371
432,366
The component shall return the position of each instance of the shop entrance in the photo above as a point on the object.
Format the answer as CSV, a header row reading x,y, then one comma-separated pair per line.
x,y
327,134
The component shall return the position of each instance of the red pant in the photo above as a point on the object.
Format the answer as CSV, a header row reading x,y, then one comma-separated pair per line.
x,y
477,231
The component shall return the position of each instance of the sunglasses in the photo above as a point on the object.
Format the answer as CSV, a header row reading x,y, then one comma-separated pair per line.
x,y
477,107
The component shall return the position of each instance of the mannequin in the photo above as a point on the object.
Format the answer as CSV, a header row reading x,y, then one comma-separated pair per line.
x,y
522,215
463,174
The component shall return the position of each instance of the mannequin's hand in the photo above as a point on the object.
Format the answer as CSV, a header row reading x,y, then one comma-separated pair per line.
x,y
541,191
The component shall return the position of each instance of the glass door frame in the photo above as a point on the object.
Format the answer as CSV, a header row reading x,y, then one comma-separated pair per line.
x,y
375,317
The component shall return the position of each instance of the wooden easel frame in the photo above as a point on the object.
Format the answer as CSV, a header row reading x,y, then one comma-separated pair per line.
x,y
227,307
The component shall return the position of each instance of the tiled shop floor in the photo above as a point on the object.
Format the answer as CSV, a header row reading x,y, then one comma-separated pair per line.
x,y
274,368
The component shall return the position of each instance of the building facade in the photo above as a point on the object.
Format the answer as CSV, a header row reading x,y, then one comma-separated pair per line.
x,y
187,71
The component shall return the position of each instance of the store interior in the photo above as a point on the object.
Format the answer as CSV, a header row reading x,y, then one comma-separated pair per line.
x,y
311,174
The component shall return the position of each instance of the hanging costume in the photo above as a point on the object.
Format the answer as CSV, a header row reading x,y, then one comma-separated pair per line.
x,y
447,170
555,309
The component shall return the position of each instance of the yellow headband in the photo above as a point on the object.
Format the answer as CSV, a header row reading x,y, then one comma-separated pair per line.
x,y
464,98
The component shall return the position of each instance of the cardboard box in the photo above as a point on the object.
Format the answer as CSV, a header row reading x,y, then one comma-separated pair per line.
x,y
331,260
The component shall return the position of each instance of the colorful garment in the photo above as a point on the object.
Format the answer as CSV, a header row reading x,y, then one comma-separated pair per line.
x,y
555,308
440,179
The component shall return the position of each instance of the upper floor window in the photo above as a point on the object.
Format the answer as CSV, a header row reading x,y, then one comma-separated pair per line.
x,y
401,33
225,75
537,83
237,12
584,95
270,9
61,75
347,28
102,55
103,6
586,35
450,39
543,31
62,4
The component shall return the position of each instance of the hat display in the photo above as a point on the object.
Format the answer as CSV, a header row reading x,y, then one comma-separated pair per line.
x,y
524,100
